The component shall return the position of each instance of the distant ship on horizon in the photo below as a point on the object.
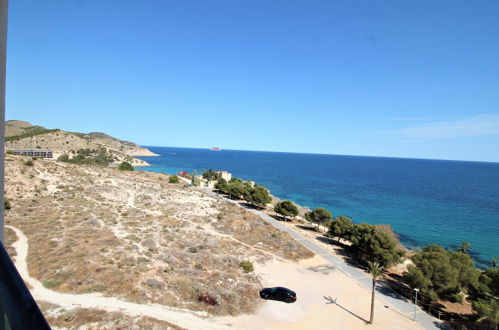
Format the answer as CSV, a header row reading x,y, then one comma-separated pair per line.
x,y
215,149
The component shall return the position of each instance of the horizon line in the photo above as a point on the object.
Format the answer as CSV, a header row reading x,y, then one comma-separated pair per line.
x,y
327,154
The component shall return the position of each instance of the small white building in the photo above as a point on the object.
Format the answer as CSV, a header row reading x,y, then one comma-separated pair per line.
x,y
225,175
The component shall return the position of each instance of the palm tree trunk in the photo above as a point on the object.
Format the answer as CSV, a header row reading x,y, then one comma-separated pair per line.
x,y
372,302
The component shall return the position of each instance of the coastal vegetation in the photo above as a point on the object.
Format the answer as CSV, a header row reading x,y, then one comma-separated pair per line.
x,y
258,196
286,208
318,216
236,188
341,227
439,274
88,156
6,204
372,245
211,175
125,166
247,266
451,276
173,179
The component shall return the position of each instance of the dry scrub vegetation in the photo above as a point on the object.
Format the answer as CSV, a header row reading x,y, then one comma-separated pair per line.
x,y
10,237
134,236
79,318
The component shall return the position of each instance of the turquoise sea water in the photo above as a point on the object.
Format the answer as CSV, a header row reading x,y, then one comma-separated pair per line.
x,y
425,201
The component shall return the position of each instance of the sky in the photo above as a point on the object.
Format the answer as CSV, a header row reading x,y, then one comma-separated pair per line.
x,y
417,79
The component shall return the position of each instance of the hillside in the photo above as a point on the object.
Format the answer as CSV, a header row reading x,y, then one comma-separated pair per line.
x,y
23,135
136,237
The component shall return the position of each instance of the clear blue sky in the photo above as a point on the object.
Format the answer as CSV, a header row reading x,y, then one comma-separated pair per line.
x,y
384,78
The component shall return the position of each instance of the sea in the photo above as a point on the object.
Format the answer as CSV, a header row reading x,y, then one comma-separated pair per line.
x,y
425,201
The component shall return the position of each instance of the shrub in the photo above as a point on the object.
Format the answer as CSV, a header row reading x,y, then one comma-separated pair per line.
x,y
247,266
375,246
286,208
125,166
173,179
258,196
222,185
28,163
51,284
6,204
318,216
208,299
237,190
340,227
440,273
211,175
193,249
63,158
195,181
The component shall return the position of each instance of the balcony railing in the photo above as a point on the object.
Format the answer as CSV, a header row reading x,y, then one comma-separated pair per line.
x,y
21,310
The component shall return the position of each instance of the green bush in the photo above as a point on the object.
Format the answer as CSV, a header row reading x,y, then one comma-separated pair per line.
x,y
247,266
88,156
257,195
211,175
125,166
6,204
173,179
237,190
193,249
318,216
222,185
28,163
286,208
63,158
441,274
340,227
375,246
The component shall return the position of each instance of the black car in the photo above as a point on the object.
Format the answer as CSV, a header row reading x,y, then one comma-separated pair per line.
x,y
279,293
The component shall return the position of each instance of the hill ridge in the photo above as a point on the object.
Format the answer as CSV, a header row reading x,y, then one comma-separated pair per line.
x,y
23,135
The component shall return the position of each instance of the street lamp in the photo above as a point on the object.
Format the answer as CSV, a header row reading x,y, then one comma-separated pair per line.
x,y
415,302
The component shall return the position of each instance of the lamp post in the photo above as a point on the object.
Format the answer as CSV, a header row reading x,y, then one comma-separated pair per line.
x,y
415,302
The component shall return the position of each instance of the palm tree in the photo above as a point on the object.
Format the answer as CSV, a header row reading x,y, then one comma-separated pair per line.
x,y
375,269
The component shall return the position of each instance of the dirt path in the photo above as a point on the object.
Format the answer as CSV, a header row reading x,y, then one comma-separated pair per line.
x,y
314,280
179,317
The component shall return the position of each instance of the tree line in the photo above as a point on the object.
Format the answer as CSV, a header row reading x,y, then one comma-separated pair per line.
x,y
438,273
236,188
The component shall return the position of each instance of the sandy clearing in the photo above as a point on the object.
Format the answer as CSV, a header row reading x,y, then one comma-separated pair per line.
x,y
314,280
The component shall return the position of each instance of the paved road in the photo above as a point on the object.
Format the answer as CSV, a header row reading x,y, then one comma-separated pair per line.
x,y
400,304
